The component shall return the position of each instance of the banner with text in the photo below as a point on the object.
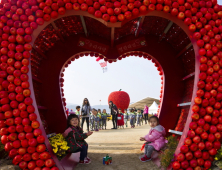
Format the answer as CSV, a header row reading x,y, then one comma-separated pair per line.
x,y
131,45
93,45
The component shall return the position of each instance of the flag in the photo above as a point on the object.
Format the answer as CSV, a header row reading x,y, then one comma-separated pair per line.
x,y
103,64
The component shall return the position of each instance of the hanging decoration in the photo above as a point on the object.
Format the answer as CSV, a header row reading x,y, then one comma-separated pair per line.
x,y
102,63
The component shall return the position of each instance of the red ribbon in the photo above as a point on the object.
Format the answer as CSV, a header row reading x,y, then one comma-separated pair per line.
x,y
143,146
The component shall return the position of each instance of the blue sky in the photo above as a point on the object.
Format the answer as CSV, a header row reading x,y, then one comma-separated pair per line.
x,y
219,2
84,78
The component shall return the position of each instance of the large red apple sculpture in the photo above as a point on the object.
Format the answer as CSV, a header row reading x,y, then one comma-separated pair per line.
x,y
120,98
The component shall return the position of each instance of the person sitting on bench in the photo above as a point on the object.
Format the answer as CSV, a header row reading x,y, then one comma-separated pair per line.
x,y
76,138
155,139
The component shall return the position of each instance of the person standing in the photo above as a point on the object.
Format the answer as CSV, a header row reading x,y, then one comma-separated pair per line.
x,y
126,116
85,113
104,118
114,113
145,113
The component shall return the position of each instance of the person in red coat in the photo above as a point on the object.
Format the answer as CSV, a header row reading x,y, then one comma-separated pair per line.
x,y
120,120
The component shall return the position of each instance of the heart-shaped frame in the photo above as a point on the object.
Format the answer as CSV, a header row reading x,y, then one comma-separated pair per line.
x,y
212,18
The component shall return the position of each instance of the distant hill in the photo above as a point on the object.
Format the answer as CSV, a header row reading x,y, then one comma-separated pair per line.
x,y
73,106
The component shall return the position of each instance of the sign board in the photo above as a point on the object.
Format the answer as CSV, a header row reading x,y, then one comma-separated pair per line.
x,y
93,45
131,45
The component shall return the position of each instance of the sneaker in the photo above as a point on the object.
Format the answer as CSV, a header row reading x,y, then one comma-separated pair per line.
x,y
81,162
96,130
87,161
145,159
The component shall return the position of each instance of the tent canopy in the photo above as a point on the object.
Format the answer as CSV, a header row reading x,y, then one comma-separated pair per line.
x,y
148,101
153,108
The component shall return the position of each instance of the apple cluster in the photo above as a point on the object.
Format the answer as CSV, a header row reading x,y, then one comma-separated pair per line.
x,y
204,137
19,127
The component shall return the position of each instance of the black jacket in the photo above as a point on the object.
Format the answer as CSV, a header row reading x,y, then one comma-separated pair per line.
x,y
114,110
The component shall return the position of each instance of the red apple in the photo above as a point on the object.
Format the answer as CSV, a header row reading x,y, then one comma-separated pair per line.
x,y
31,165
196,139
193,163
184,149
24,143
49,163
207,164
31,149
22,151
201,146
176,165
180,157
44,155
41,148
32,142
40,163
40,139
185,164
27,157
23,165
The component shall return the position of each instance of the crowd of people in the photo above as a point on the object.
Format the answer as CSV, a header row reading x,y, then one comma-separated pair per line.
x,y
97,119
154,140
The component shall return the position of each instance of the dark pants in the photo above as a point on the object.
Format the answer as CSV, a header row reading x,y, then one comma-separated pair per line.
x,y
83,152
87,121
114,119
149,150
146,117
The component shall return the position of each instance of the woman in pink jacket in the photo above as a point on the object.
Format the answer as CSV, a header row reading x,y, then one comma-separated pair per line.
x,y
155,139
145,113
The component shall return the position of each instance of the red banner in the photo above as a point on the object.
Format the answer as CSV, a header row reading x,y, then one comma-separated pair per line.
x,y
131,45
93,45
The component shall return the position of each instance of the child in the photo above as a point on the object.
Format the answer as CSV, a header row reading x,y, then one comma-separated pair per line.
x,y
120,119
96,119
126,115
139,117
71,112
100,119
76,138
77,111
104,117
155,139
132,118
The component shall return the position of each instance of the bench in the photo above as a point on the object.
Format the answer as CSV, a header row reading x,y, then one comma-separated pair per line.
x,y
70,161
155,157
